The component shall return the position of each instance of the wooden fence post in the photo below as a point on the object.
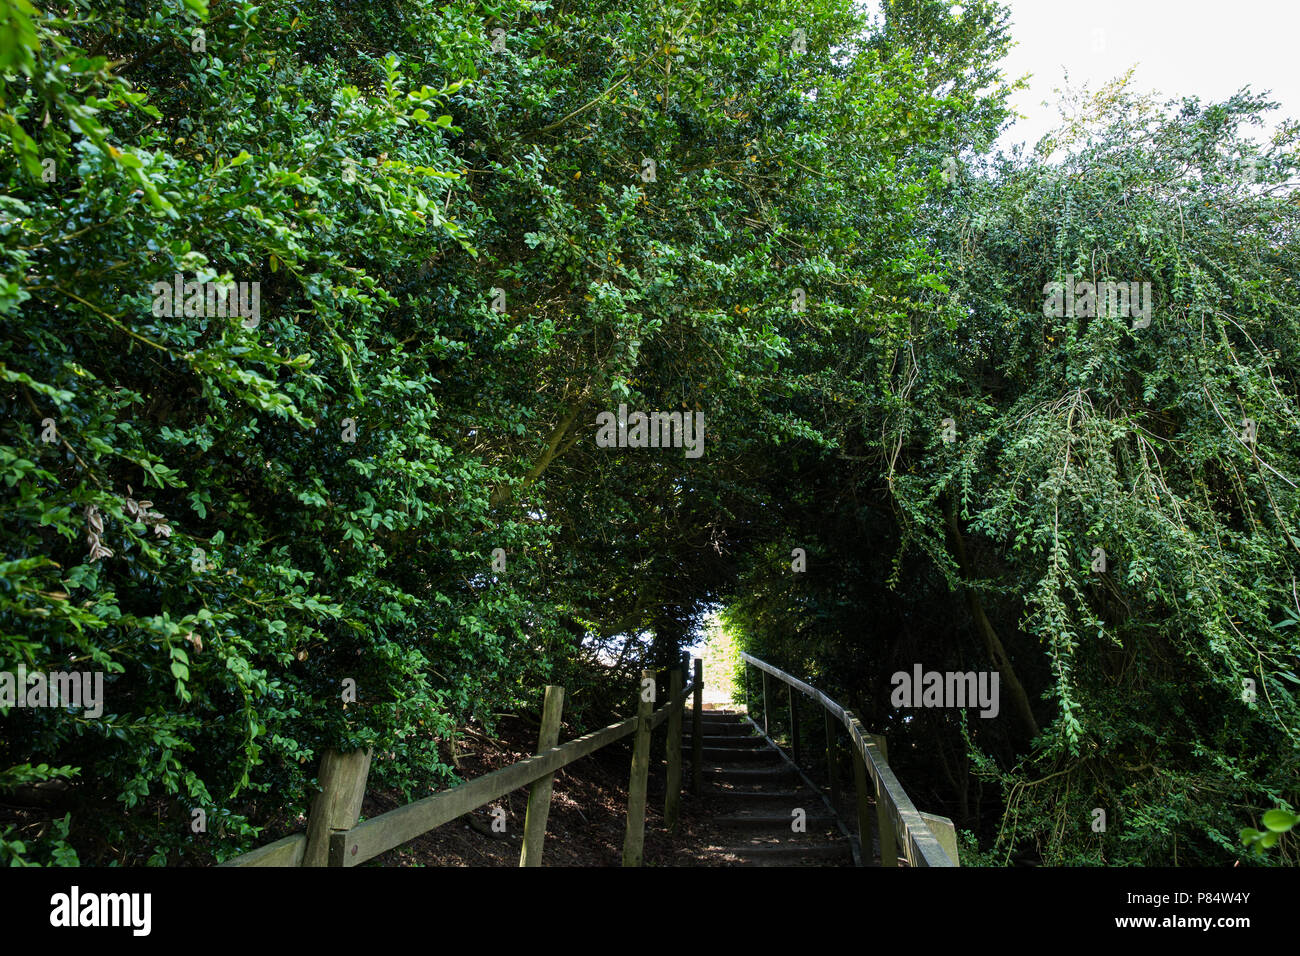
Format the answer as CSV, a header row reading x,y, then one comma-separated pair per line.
x,y
794,724
860,779
885,818
765,728
634,838
539,794
673,799
697,730
337,806
832,767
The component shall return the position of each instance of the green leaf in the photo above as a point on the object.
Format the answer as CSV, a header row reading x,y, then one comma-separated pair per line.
x,y
1279,821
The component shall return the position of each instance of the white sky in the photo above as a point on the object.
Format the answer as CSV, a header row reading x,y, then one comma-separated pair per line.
x,y
1205,48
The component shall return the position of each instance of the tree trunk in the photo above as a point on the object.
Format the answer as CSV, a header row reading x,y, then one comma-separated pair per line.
x,y
997,653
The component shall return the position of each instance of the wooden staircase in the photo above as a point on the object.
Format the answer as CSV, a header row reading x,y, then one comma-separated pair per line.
x,y
755,793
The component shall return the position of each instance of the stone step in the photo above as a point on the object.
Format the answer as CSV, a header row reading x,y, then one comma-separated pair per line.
x,y
756,776
789,854
720,729
773,822
731,743
728,755
772,800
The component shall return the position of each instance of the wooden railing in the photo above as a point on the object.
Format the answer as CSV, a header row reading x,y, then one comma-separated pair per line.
x,y
335,838
927,839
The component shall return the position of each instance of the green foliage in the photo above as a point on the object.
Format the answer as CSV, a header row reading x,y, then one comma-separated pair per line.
x,y
203,531
1073,434
1276,822
273,560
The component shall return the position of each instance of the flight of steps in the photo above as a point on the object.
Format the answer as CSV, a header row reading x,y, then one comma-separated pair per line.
x,y
754,791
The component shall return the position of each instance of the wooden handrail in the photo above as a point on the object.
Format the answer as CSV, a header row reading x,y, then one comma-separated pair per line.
x,y
388,830
920,845
799,685
364,841
286,852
